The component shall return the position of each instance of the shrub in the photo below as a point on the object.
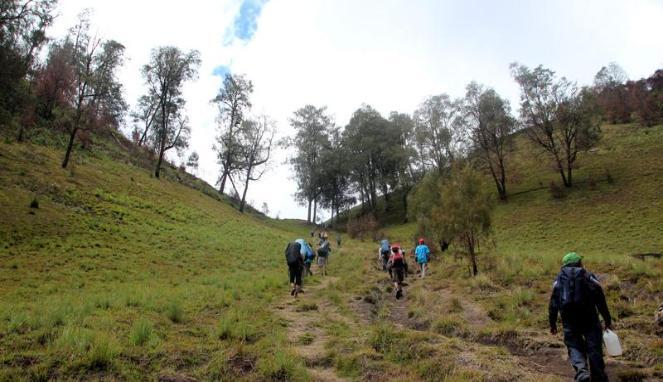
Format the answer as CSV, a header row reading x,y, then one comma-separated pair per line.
x,y
608,177
34,203
141,332
361,226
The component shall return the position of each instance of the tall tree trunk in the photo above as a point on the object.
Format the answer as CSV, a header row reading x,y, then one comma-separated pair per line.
x,y
315,210
308,216
65,162
246,187
406,192
473,257
157,171
222,187
569,172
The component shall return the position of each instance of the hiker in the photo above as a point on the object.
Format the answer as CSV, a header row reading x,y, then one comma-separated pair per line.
x,y
578,295
294,256
309,256
384,253
397,267
324,249
422,254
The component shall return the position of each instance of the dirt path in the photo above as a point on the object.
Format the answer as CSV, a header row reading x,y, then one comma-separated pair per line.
x,y
306,316
537,352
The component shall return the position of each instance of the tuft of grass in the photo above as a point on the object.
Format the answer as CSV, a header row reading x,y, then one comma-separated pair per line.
x,y
306,307
141,332
174,312
102,352
34,203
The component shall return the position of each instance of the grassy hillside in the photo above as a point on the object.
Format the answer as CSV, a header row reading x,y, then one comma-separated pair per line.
x,y
120,276
117,273
615,210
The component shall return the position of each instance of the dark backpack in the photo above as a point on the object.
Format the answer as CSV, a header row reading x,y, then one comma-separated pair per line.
x,y
292,253
573,284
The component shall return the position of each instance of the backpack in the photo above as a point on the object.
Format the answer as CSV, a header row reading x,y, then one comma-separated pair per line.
x,y
324,249
384,245
292,253
573,283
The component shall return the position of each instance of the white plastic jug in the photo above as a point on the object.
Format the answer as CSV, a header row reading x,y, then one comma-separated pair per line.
x,y
612,345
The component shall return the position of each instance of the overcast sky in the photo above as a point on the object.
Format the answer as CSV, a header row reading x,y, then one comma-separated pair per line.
x,y
389,54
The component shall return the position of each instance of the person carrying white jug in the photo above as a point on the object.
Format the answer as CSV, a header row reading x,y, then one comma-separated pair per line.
x,y
578,296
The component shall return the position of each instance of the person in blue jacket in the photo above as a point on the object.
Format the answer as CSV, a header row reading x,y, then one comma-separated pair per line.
x,y
422,254
308,255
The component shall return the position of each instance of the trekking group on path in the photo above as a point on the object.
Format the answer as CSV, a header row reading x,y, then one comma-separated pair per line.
x,y
577,296
299,256
392,259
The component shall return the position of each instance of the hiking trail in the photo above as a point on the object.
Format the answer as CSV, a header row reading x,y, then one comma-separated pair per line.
x,y
305,316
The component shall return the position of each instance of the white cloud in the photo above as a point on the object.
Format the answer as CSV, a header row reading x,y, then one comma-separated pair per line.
x,y
390,54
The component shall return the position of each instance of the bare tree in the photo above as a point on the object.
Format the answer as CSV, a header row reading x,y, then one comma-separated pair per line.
x,y
256,137
233,102
557,116
490,125
165,75
98,94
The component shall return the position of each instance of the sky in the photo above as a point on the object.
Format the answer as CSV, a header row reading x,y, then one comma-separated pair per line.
x,y
344,53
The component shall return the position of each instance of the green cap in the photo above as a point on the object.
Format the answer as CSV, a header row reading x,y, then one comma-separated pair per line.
x,y
571,258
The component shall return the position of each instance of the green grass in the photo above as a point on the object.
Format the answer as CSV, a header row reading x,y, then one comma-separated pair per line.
x,y
118,275
117,270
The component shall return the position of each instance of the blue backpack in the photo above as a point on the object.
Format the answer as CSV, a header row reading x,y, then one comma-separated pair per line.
x,y
384,245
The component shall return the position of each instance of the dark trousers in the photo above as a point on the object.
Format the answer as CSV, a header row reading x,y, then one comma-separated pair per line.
x,y
584,345
295,272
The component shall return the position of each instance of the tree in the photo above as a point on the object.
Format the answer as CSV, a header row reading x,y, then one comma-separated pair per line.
x,y
22,33
311,126
557,116
169,68
256,137
463,211
146,112
265,208
98,94
411,169
55,86
232,102
612,94
192,161
437,128
490,125
334,180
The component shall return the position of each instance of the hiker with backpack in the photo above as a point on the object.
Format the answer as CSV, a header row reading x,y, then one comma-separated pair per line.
x,y
397,267
422,255
324,250
294,256
309,256
384,252
578,296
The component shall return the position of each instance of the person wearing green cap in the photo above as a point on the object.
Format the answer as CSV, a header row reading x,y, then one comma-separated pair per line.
x,y
578,296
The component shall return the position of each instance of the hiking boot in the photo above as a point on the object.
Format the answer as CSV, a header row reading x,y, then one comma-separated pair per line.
x,y
399,293
293,291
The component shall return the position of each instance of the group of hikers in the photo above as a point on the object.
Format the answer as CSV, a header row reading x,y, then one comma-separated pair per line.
x,y
392,259
576,295
299,257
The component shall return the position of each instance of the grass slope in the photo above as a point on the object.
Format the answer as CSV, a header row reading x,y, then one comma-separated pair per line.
x,y
120,274
614,210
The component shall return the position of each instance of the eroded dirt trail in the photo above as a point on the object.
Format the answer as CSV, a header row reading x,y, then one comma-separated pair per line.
x,y
306,316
